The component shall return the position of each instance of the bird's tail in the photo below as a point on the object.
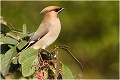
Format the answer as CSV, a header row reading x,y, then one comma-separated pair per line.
x,y
25,47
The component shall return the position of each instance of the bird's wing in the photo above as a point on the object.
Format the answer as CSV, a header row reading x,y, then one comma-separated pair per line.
x,y
41,31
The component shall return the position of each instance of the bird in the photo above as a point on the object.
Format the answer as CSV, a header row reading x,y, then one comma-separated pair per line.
x,y
49,29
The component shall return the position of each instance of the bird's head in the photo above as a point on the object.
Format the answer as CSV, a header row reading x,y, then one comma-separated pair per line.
x,y
52,9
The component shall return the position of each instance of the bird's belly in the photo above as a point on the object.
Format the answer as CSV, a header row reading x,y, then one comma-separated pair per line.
x,y
50,41
44,42
49,38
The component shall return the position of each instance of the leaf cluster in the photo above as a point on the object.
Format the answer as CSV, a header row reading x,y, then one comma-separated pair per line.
x,y
41,64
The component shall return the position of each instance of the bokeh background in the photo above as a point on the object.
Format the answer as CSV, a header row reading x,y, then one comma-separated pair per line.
x,y
90,28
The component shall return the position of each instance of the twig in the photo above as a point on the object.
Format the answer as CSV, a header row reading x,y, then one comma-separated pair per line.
x,y
7,34
57,66
40,58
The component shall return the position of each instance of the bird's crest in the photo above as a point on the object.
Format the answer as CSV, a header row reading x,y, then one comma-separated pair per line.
x,y
50,8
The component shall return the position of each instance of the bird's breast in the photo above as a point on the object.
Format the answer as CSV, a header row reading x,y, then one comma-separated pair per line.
x,y
54,31
55,26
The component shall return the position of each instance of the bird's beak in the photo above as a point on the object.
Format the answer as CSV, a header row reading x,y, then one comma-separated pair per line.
x,y
60,10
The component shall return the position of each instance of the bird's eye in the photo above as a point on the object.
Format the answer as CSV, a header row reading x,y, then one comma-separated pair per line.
x,y
56,10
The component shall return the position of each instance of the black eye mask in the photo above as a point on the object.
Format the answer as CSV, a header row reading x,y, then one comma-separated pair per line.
x,y
56,10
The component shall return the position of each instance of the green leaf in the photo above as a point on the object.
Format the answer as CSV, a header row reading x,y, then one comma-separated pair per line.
x,y
1,56
30,34
17,34
67,74
14,34
21,44
8,40
24,29
27,66
26,53
27,59
1,35
6,60
5,28
4,48
17,31
15,60
26,36
10,46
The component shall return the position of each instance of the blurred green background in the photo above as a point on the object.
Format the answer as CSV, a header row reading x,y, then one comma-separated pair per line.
x,y
90,28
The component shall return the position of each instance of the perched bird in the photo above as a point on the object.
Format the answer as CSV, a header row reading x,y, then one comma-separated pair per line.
x,y
48,30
